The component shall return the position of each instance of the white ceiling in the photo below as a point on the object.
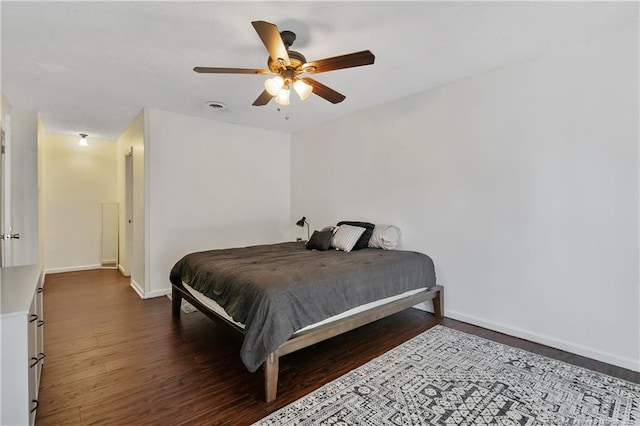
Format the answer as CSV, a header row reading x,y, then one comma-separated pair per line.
x,y
91,66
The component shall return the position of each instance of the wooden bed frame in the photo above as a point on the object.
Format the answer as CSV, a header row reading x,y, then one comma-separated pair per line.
x,y
318,334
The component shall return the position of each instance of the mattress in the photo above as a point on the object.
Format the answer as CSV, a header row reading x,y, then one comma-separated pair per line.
x,y
276,290
211,304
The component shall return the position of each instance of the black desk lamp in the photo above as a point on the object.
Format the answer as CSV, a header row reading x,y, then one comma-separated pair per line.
x,y
301,224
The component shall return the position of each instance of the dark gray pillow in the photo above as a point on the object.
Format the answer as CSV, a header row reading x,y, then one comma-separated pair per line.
x,y
363,241
320,240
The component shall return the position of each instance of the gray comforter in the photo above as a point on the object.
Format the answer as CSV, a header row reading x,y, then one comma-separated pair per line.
x,y
277,289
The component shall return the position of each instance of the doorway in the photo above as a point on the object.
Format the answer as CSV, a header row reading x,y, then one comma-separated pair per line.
x,y
126,263
6,235
2,196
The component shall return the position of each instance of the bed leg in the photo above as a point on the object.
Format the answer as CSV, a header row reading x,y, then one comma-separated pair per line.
x,y
176,302
271,377
438,304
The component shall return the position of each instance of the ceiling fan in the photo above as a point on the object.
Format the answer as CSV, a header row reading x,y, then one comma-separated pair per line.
x,y
289,65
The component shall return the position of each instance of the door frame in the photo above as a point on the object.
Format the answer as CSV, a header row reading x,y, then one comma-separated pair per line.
x,y
6,248
128,212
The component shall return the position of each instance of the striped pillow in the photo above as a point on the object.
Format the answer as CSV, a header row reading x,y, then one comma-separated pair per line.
x,y
346,237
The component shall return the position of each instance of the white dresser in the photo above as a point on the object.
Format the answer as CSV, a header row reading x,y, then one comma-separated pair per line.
x,y
22,343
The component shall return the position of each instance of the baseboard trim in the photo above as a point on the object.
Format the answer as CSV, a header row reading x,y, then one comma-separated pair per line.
x,y
123,271
137,289
157,293
149,295
73,269
577,349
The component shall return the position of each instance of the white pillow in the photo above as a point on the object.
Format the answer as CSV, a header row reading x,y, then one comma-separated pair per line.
x,y
346,236
386,237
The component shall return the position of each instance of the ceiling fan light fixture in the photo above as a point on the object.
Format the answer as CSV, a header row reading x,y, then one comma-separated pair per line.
x,y
274,85
283,97
83,139
302,89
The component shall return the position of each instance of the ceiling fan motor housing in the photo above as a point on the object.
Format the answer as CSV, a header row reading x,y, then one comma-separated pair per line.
x,y
296,59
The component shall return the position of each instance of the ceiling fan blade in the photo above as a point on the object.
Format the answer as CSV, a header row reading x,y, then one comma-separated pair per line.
x,y
324,91
356,59
272,40
230,70
263,99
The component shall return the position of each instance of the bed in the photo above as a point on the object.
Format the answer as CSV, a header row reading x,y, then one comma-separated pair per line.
x,y
282,297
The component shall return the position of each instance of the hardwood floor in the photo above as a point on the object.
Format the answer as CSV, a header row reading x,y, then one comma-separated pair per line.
x,y
114,358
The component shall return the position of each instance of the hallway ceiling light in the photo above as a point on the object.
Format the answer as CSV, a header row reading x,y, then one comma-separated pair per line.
x,y
83,139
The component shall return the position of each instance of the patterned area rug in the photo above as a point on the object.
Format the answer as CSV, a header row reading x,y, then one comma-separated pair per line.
x,y
444,376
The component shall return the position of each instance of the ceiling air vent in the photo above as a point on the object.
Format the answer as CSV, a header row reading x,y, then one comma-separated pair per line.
x,y
215,105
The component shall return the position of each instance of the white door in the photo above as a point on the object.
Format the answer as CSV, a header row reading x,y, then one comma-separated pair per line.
x,y
20,233
128,213
2,147
7,234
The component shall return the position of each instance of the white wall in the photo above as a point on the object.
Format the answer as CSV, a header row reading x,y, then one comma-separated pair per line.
x,y
41,205
134,263
24,186
212,185
521,183
78,180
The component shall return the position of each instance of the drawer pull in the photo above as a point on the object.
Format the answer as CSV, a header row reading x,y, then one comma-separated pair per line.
x,y
33,317
36,407
40,289
40,323
36,360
